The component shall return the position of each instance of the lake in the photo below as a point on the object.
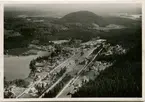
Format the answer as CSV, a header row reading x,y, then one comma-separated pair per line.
x,y
18,67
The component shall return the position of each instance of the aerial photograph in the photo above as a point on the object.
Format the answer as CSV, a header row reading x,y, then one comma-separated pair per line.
x,y
73,50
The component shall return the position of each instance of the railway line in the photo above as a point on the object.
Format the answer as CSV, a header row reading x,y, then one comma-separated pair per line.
x,y
31,86
73,80
65,63
64,75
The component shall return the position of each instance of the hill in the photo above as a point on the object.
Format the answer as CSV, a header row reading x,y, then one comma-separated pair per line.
x,y
83,17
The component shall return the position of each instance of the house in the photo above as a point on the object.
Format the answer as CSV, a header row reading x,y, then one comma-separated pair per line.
x,y
37,64
85,79
39,69
33,90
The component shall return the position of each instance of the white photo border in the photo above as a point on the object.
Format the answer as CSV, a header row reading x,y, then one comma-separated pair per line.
x,y
2,3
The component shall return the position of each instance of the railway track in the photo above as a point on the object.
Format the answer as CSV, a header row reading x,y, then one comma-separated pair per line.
x,y
27,90
60,65
61,78
73,80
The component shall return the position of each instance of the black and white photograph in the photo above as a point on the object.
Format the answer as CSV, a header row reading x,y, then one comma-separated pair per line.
x,y
73,50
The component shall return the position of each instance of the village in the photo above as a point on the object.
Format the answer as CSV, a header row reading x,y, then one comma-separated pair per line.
x,y
65,69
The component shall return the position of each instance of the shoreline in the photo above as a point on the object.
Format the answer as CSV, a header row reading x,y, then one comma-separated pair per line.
x,y
13,59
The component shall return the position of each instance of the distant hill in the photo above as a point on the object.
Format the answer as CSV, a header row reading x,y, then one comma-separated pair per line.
x,y
83,17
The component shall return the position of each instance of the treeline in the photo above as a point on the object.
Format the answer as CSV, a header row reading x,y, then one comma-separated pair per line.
x,y
58,50
33,63
124,37
18,82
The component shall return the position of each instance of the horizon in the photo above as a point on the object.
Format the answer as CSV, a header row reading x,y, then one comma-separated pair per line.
x,y
59,10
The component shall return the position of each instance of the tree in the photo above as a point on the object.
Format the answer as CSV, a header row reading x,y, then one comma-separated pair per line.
x,y
32,66
21,83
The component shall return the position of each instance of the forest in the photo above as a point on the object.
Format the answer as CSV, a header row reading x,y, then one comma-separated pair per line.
x,y
122,79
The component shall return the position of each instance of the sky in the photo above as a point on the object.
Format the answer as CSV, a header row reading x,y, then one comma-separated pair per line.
x,y
63,9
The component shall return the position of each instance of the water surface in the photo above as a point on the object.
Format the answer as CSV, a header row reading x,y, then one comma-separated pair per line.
x,y
17,67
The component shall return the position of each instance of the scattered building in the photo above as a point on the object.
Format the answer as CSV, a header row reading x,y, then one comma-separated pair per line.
x,y
118,49
37,21
60,41
94,42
